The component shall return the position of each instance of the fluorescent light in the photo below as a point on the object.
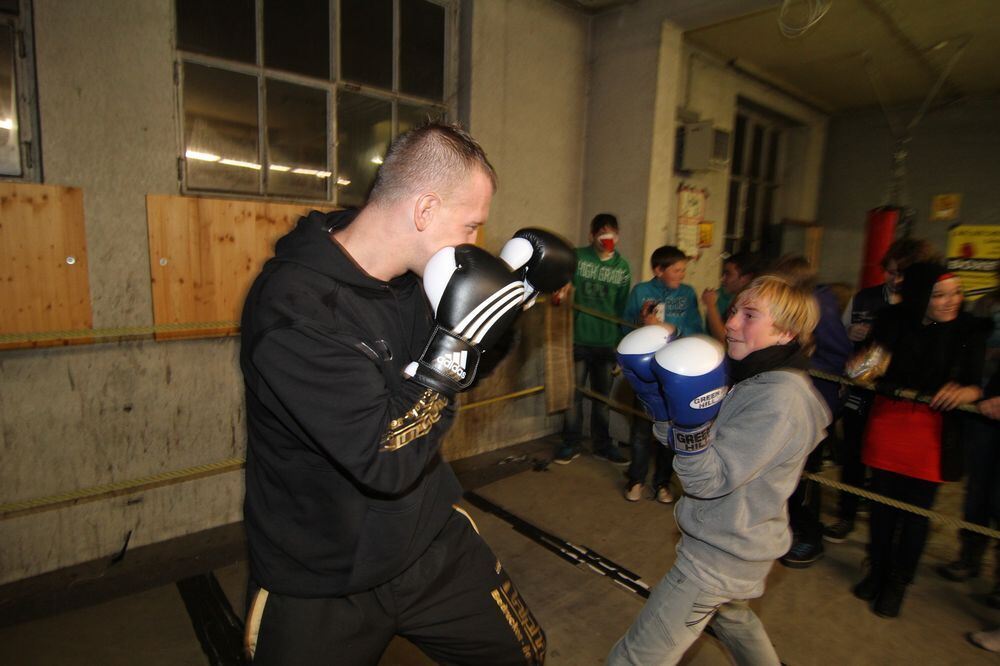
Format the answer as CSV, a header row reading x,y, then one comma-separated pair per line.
x,y
323,174
240,163
279,167
376,160
305,172
204,157
343,182
7,123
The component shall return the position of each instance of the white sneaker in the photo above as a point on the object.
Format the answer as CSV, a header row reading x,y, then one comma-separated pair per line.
x,y
634,492
664,496
988,640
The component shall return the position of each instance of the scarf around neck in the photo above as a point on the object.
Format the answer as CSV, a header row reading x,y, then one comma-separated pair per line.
x,y
774,357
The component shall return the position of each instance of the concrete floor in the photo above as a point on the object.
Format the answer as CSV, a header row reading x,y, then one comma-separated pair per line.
x,y
810,614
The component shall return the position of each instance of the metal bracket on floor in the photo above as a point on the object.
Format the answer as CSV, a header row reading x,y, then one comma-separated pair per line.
x,y
568,551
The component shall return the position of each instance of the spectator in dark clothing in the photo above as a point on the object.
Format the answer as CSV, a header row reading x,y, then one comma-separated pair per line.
x,y
832,350
858,317
982,484
911,446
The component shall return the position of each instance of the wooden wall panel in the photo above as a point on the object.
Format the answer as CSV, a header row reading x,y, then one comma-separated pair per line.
x,y
205,253
43,260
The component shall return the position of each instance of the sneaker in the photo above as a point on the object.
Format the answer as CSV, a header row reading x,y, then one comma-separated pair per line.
x,y
664,496
987,640
802,555
838,531
634,492
566,455
958,571
612,455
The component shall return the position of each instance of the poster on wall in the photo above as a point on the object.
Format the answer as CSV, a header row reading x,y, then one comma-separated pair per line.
x,y
690,214
946,207
973,255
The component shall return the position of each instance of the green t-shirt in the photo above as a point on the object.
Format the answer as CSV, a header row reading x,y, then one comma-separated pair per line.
x,y
603,286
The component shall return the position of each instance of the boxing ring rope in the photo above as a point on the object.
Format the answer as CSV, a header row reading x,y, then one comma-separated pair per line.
x,y
142,484
904,394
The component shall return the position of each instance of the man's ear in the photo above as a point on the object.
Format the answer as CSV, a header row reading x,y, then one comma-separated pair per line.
x,y
424,209
784,337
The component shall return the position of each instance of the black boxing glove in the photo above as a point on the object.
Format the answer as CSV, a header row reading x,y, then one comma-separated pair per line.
x,y
475,298
544,261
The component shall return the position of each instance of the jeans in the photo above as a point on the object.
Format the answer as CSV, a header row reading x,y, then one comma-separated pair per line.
x,y
593,364
644,447
675,615
982,486
898,537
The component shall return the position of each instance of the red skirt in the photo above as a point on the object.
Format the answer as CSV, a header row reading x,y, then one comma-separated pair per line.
x,y
904,437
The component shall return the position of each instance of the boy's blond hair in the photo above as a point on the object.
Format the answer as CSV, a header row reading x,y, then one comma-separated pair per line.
x,y
793,309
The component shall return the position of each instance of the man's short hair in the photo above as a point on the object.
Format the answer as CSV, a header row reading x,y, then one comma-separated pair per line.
x,y
602,220
908,251
435,155
793,309
747,263
666,256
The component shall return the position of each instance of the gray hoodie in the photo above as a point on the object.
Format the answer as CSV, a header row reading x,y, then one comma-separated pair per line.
x,y
734,515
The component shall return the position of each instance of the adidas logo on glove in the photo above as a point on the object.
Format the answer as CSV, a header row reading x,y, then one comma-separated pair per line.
x,y
453,363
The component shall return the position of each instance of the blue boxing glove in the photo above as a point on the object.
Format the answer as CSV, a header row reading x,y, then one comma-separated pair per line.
x,y
692,376
635,355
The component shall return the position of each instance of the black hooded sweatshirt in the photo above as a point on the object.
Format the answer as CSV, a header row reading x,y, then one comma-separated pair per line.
x,y
345,486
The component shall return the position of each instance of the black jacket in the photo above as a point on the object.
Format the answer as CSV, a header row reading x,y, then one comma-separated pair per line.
x,y
345,487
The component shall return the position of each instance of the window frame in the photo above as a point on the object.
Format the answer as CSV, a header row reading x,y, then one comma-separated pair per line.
x,y
26,83
330,87
735,239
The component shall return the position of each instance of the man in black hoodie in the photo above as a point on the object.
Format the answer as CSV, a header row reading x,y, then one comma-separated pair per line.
x,y
352,524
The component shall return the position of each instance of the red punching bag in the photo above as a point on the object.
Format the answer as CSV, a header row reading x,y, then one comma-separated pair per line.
x,y
880,231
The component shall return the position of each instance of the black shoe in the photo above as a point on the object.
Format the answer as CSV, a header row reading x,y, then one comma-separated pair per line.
x,y
867,589
960,570
802,555
838,531
889,599
612,455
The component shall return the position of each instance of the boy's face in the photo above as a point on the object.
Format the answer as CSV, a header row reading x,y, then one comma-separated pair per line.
x,y
605,240
672,275
893,276
732,282
751,328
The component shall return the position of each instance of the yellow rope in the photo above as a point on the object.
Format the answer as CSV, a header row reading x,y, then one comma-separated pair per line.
x,y
103,334
933,515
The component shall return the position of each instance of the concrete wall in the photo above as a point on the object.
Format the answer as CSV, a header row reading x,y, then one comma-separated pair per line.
x,y
642,75
954,149
78,417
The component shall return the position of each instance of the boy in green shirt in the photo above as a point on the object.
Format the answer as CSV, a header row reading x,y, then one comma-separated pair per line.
x,y
601,282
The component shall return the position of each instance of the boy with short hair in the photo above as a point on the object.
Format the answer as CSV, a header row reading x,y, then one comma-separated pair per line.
x,y
601,283
733,517
664,299
738,270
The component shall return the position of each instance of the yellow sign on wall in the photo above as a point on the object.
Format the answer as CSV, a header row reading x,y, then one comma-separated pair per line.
x,y
946,207
973,255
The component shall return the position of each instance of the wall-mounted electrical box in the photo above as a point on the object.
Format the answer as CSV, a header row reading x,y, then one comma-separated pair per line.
x,y
705,147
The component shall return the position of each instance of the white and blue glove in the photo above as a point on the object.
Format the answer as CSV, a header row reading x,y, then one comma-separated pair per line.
x,y
635,356
692,377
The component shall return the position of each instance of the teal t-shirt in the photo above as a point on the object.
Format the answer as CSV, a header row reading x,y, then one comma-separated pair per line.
x,y
603,286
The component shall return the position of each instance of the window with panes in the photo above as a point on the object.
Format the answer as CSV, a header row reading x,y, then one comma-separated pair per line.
x,y
754,181
299,99
19,145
